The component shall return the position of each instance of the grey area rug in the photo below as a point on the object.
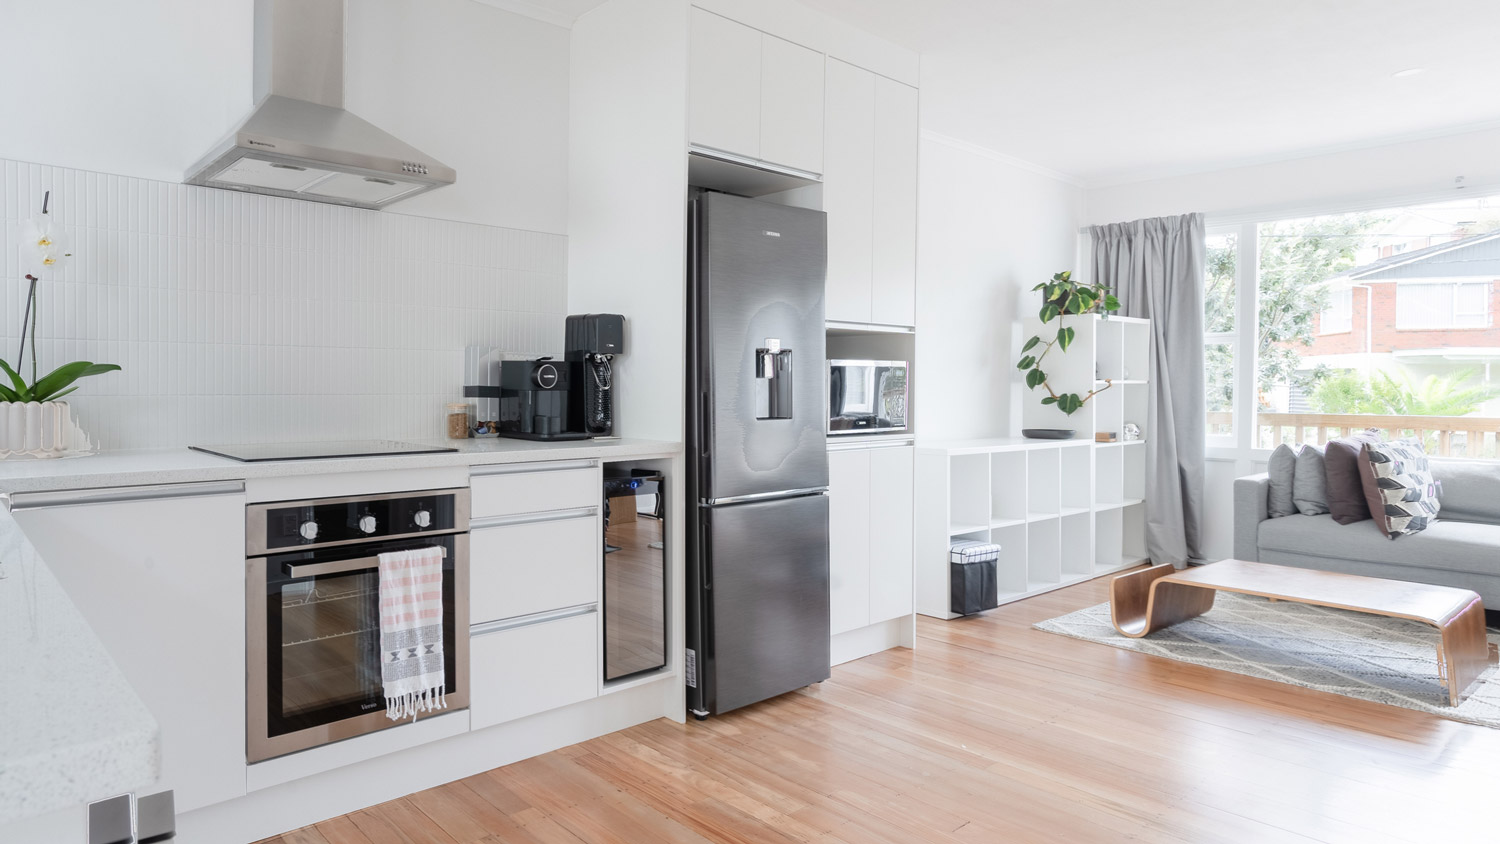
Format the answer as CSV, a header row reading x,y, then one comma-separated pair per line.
x,y
1386,660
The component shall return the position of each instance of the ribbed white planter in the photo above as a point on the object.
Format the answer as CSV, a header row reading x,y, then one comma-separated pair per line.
x,y
39,429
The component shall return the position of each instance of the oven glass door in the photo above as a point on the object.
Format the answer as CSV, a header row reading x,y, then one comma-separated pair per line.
x,y
315,663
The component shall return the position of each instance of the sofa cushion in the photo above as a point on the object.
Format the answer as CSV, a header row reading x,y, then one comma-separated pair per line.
x,y
1346,494
1448,545
1280,471
1399,488
1310,484
1470,489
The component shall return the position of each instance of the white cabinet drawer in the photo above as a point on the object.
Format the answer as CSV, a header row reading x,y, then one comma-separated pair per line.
x,y
523,670
534,566
533,488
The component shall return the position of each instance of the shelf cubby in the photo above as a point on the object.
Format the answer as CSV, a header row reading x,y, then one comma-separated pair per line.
x,y
1134,465
1107,537
1136,355
1010,570
1008,487
1043,554
1133,533
1076,478
1134,401
969,494
1109,339
1077,545
1043,482
1109,476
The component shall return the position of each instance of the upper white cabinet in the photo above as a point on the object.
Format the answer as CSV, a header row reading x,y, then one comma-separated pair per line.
x,y
849,190
791,105
870,194
755,95
893,271
724,85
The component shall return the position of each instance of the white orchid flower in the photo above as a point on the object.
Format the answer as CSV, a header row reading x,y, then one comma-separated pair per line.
x,y
42,245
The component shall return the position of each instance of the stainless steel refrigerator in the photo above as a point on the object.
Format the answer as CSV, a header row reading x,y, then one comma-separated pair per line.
x,y
758,611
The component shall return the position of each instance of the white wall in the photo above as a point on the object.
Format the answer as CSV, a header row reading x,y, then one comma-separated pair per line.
x,y
989,228
144,89
244,318
1333,181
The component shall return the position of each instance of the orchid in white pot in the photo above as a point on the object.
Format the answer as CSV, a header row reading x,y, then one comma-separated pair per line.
x,y
33,423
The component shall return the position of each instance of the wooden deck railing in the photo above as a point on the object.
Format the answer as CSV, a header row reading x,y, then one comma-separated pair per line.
x,y
1447,436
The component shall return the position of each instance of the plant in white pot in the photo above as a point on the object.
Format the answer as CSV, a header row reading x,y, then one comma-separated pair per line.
x,y
33,422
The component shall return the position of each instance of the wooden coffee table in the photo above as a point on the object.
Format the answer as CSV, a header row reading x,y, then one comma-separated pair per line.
x,y
1148,600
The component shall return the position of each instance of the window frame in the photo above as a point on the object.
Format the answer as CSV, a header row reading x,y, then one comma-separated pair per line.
x,y
1246,287
1486,318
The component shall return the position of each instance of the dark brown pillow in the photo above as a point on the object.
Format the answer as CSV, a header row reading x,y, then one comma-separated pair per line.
x,y
1346,491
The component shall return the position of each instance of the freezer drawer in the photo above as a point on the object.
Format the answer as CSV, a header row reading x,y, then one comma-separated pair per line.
x,y
547,562
766,578
539,664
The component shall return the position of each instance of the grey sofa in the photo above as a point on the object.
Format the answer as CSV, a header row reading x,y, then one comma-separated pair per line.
x,y
1461,548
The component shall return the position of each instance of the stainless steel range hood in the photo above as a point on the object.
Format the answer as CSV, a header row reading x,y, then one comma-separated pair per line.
x,y
299,141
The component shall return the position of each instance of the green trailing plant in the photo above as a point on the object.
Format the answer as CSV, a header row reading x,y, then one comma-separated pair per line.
x,y
42,250
1062,296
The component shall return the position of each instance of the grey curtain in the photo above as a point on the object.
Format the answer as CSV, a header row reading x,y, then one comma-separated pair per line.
x,y
1155,267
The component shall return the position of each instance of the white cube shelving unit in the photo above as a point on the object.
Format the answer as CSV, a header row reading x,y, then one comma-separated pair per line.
x,y
1062,511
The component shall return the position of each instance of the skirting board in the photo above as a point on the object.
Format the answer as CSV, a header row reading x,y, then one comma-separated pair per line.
x,y
864,641
286,807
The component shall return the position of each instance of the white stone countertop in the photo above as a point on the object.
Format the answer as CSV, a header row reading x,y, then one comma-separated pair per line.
x,y
181,465
71,728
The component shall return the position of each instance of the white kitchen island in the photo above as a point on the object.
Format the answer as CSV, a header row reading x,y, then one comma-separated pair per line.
x,y
150,547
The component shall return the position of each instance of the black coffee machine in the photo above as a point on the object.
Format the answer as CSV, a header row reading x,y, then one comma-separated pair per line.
x,y
592,341
534,400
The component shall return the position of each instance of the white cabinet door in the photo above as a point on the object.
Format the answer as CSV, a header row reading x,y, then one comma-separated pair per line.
x,y
724,84
532,668
162,583
891,507
849,539
894,262
848,188
532,567
791,105
532,488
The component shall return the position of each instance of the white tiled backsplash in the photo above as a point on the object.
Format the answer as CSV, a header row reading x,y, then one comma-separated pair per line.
x,y
243,318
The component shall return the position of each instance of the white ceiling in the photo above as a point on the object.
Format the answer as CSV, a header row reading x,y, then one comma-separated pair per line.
x,y
1108,91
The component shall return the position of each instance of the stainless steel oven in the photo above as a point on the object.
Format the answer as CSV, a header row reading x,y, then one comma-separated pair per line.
x,y
312,612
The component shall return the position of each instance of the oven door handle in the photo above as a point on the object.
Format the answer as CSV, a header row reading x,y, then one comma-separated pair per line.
x,y
297,572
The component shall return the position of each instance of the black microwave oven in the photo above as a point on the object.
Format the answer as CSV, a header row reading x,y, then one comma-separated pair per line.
x,y
867,396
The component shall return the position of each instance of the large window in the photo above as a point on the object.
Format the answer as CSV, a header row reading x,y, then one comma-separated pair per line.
x,y
1318,326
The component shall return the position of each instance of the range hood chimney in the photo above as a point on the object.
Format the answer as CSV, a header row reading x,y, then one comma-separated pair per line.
x,y
299,142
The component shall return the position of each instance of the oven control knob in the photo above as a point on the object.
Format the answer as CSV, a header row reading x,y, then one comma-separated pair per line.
x,y
367,523
422,518
309,530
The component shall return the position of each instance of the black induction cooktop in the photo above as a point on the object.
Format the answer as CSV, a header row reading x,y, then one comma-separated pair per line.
x,y
263,452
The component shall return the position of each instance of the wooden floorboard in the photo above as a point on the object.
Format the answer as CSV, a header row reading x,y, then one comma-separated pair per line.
x,y
989,732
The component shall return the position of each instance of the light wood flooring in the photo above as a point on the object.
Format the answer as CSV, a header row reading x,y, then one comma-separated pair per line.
x,y
989,732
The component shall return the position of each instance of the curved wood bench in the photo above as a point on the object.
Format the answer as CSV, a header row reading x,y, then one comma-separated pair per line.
x,y
1142,602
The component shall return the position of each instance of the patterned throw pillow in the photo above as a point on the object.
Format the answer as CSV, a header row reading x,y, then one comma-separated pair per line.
x,y
1399,487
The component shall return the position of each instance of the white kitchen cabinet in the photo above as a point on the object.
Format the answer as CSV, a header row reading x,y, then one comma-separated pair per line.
x,y
791,105
159,572
870,535
522,567
891,526
754,95
532,664
893,271
849,539
507,490
849,190
870,195
724,84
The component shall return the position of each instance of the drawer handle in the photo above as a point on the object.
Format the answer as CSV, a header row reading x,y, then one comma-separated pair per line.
x,y
117,495
531,468
533,518
530,620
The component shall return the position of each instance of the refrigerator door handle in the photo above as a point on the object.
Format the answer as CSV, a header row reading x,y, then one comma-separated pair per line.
x,y
764,496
